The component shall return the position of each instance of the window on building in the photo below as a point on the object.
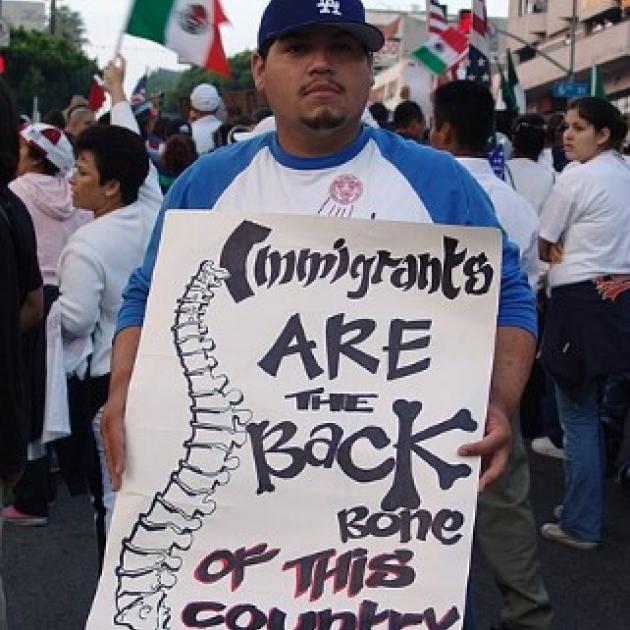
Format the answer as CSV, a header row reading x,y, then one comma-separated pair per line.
x,y
532,6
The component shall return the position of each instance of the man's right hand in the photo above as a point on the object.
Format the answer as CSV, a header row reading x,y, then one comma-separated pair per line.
x,y
113,420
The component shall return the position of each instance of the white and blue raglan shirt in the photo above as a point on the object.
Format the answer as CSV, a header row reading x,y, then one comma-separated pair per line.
x,y
379,176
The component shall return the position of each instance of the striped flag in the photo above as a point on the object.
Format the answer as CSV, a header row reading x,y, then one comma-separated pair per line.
x,y
437,17
441,51
479,49
436,23
189,29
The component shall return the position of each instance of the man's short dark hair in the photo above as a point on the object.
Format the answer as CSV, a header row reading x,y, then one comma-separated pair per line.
x,y
406,113
380,113
469,109
529,136
119,155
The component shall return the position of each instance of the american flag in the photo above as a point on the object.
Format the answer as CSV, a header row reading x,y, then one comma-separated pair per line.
x,y
437,17
479,49
436,24
496,157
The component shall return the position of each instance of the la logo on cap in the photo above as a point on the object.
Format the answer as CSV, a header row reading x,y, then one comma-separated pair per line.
x,y
329,6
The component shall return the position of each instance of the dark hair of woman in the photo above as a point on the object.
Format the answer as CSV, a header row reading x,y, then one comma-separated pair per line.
x,y
602,115
179,153
44,166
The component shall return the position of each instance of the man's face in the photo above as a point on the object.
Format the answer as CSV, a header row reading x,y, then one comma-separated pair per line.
x,y
87,191
317,81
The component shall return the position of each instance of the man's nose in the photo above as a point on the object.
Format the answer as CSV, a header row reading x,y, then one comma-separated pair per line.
x,y
320,59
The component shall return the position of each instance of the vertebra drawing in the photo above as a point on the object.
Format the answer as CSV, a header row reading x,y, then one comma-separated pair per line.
x,y
150,557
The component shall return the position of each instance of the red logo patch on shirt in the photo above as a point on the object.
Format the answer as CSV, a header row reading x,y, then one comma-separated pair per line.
x,y
346,189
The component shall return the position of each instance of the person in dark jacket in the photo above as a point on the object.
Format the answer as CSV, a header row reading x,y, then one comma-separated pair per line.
x,y
20,309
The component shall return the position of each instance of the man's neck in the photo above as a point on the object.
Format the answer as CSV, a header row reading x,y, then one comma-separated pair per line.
x,y
310,143
108,208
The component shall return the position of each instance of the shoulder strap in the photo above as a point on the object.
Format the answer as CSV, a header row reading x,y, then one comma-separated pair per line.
x,y
508,172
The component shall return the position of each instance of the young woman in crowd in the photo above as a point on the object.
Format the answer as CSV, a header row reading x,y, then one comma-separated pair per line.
x,y
584,235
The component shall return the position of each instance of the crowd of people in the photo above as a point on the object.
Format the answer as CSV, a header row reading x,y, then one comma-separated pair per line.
x,y
81,215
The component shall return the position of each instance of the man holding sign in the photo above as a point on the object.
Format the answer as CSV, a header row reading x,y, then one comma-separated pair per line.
x,y
314,66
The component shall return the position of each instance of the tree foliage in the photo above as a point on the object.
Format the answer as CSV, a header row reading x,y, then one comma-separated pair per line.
x,y
182,86
69,25
51,68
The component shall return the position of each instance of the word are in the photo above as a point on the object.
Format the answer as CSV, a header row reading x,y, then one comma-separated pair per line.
x,y
342,339
450,271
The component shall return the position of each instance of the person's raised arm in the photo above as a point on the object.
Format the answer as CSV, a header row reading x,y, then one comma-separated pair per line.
x,y
122,115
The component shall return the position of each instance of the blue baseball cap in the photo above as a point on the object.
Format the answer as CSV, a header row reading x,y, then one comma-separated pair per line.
x,y
283,16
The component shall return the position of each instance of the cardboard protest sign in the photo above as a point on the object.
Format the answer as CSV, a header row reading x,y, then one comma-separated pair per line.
x,y
301,389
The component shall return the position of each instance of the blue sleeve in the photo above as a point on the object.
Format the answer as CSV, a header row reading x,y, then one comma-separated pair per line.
x,y
453,197
198,188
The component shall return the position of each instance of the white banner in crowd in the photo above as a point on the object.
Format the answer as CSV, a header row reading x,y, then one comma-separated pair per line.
x,y
301,389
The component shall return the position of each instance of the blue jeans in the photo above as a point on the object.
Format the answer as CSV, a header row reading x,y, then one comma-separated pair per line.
x,y
583,465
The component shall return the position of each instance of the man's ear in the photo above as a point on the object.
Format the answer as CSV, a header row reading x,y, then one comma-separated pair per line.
x,y
448,136
258,71
602,137
438,135
112,189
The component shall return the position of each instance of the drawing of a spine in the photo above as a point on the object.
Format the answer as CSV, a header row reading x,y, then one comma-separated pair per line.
x,y
151,556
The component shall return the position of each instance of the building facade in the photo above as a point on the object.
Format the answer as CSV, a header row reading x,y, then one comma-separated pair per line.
x,y
602,39
395,68
29,15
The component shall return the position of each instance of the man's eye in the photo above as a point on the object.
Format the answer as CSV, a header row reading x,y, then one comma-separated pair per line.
x,y
295,48
344,46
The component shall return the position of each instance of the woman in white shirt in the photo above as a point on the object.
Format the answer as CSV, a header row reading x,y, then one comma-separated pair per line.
x,y
584,234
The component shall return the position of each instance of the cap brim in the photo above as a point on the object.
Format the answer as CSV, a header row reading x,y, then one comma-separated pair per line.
x,y
370,36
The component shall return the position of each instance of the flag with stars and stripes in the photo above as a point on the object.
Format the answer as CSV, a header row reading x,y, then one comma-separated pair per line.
x,y
437,17
479,49
496,157
437,23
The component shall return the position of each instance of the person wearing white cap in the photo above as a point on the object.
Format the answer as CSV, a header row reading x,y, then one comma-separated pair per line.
x,y
314,65
204,104
45,161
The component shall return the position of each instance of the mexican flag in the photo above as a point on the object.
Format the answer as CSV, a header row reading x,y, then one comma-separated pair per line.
x,y
191,29
442,50
597,83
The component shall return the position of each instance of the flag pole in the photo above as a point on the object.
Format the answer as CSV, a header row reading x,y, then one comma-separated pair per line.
x,y
123,30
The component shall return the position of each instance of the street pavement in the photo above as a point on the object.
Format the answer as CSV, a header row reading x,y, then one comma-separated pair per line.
x,y
50,572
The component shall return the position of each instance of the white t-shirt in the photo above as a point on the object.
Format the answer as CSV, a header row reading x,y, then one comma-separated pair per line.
x,y
589,212
516,215
532,180
203,130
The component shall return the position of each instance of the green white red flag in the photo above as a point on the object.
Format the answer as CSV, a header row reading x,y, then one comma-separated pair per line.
x,y
442,50
188,27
